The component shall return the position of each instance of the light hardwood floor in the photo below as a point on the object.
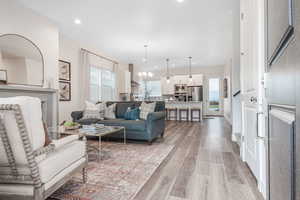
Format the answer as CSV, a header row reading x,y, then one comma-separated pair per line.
x,y
204,165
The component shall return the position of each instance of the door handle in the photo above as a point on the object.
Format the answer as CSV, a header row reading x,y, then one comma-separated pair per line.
x,y
257,128
253,100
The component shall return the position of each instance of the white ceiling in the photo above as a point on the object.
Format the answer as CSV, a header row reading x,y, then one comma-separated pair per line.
x,y
120,28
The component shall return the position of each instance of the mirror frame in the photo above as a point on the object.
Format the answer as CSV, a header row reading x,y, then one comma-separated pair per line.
x,y
43,61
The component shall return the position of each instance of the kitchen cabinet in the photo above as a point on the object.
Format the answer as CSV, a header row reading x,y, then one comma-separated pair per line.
x,y
127,82
124,81
181,79
196,81
168,88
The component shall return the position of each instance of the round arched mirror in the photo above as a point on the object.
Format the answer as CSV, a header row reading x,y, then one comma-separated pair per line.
x,y
21,61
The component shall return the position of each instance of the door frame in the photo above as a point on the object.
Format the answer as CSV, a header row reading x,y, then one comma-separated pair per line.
x,y
262,107
206,95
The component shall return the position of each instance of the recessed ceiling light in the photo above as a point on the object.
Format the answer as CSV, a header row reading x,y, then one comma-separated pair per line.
x,y
77,21
180,1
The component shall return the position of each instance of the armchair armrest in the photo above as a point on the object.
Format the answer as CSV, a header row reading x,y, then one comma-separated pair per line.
x,y
155,124
63,141
76,115
44,150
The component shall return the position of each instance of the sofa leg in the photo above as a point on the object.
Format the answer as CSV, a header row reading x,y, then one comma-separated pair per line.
x,y
150,142
84,175
162,135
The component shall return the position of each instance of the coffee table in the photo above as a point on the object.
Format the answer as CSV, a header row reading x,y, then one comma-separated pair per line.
x,y
105,131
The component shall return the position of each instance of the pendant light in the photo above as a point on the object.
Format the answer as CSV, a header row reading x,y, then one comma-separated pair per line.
x,y
145,59
168,73
190,69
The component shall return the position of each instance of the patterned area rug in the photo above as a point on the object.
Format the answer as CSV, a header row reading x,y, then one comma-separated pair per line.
x,y
122,172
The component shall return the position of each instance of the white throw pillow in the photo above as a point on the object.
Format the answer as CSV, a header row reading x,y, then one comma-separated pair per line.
x,y
95,111
146,108
110,112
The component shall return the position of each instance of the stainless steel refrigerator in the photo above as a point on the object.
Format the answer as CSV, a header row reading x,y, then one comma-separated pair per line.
x,y
195,93
282,88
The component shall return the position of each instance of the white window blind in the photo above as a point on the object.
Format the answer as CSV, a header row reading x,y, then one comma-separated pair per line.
x,y
102,84
153,87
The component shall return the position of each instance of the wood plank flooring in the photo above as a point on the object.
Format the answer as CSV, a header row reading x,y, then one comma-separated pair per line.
x,y
204,165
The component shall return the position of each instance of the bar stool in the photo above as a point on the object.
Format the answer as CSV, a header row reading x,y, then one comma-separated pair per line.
x,y
186,111
170,111
198,110
166,114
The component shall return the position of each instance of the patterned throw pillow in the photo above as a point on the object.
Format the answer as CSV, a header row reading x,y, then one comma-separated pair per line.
x,y
110,112
146,108
94,111
132,114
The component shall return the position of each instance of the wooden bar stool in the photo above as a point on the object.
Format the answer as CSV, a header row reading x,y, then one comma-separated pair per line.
x,y
166,112
186,111
197,110
170,111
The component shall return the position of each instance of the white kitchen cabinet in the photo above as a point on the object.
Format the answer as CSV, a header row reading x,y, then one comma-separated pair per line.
x,y
127,82
181,79
197,79
124,81
168,88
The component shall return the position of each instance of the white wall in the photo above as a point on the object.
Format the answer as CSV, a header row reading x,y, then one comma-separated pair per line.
x,y
228,100
69,50
16,70
16,19
33,70
236,83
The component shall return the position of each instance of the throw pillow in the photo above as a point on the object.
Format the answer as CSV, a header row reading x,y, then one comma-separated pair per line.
x,y
132,114
95,111
146,108
110,112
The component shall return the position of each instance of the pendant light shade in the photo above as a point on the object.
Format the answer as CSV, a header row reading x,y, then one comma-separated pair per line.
x,y
190,69
145,59
168,73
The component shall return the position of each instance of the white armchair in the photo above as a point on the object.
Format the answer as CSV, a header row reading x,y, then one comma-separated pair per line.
x,y
28,170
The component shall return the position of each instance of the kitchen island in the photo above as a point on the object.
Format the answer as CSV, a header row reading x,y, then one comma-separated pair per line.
x,y
189,105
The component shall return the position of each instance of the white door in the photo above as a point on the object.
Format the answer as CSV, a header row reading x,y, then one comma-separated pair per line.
x,y
252,68
213,96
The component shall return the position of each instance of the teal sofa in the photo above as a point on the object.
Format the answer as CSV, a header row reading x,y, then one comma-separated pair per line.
x,y
146,130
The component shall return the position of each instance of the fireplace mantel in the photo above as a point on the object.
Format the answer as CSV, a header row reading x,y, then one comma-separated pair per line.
x,y
49,98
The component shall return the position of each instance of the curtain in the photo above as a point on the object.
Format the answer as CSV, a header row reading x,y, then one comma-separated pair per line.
x,y
89,60
85,70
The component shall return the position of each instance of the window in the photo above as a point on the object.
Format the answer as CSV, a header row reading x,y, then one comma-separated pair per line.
x,y
102,84
214,94
153,88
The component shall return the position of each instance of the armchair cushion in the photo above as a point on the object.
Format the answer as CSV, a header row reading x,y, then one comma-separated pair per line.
x,y
63,141
32,114
61,159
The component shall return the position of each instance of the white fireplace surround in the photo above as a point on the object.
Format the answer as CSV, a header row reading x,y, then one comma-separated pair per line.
x,y
49,98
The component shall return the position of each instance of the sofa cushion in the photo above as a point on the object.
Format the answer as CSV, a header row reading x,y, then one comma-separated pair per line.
x,y
122,108
88,121
61,159
136,125
146,108
132,114
110,111
93,110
